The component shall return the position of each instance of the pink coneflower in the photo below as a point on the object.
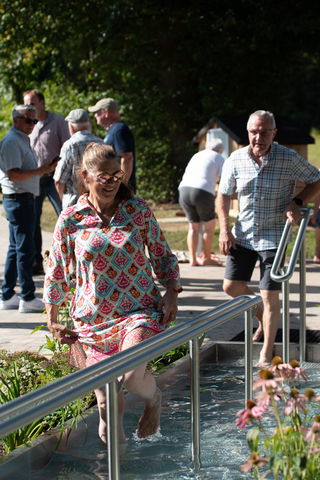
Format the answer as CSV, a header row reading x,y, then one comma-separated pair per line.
x,y
312,433
295,402
288,371
267,381
253,411
311,396
254,460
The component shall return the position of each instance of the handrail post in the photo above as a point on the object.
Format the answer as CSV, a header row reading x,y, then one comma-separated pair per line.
x,y
195,400
302,287
248,354
113,430
285,322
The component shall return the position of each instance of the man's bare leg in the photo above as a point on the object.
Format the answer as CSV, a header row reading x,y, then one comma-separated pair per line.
x,y
207,239
235,288
192,241
271,320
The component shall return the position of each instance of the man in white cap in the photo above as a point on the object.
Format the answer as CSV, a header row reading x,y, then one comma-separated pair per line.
x,y
119,136
65,176
197,197
20,176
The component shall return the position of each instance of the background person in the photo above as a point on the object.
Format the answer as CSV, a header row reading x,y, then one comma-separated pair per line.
x,y
264,175
19,178
116,303
65,175
315,223
119,136
197,199
47,138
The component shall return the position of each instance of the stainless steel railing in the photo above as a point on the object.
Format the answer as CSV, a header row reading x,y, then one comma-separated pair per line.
x,y
36,404
283,275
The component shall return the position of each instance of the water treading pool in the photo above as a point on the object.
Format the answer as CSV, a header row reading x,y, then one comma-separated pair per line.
x,y
167,455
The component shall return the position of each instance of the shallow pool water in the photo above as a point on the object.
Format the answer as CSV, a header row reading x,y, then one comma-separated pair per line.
x,y
167,455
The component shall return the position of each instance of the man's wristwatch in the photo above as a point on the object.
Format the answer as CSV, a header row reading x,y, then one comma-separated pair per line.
x,y
298,201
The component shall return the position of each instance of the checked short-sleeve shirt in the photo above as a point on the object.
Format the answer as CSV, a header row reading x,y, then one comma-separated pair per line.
x,y
263,192
71,157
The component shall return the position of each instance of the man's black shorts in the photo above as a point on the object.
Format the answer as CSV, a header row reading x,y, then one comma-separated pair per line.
x,y
198,205
241,262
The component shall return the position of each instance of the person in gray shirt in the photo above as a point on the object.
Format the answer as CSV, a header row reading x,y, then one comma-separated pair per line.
x,y
19,178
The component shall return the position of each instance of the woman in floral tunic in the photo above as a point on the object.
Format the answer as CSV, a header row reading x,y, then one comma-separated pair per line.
x,y
116,303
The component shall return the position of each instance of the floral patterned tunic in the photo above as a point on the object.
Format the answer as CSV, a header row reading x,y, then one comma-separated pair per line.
x,y
115,290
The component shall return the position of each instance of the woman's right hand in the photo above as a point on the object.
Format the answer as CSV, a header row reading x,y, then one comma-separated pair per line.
x,y
63,334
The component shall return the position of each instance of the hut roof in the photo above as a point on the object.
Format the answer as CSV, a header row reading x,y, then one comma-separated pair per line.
x,y
289,132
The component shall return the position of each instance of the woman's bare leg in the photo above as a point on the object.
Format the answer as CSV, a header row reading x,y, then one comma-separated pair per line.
x,y
142,383
101,402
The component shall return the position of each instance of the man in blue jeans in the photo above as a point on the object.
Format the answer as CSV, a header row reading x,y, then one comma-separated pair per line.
x,y
19,178
47,138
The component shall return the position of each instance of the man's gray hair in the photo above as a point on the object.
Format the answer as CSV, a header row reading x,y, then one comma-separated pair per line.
x,y
263,113
20,109
81,126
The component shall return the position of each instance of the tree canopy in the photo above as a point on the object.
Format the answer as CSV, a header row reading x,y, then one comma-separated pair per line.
x,y
171,65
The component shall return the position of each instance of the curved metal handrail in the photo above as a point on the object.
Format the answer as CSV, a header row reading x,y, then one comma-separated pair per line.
x,y
276,267
279,274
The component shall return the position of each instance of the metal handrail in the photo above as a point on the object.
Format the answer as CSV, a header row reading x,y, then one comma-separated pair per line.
x,y
27,408
280,274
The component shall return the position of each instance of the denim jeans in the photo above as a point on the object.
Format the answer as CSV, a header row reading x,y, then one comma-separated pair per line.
x,y
20,215
47,189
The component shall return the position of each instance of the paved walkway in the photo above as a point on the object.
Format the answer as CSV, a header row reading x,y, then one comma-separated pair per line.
x,y
202,291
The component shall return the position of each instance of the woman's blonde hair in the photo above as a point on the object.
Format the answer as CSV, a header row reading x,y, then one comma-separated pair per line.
x,y
96,156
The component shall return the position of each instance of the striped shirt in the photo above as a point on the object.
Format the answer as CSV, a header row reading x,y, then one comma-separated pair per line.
x,y
264,192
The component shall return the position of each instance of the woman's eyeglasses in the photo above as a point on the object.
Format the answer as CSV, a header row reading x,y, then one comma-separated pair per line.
x,y
29,120
109,179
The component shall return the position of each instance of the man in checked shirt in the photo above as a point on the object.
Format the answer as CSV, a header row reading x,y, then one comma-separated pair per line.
x,y
264,175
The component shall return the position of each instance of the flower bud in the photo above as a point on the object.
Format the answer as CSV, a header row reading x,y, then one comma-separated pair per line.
x,y
251,404
294,392
309,393
266,374
276,361
294,363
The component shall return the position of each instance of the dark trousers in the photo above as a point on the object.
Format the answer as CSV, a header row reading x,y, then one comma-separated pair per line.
x,y
47,189
20,215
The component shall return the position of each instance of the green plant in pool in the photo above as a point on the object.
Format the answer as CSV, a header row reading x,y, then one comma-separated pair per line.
x,y
285,439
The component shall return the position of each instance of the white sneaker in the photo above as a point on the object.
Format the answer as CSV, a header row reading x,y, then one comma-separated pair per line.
x,y
10,304
32,306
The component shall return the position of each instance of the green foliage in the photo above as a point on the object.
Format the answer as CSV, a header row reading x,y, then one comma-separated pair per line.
x,y
11,388
23,372
160,363
171,68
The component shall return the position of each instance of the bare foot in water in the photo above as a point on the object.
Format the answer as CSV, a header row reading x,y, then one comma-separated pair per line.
x,y
150,420
103,433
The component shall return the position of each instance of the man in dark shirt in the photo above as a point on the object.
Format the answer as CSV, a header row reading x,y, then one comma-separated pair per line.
x,y
119,136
